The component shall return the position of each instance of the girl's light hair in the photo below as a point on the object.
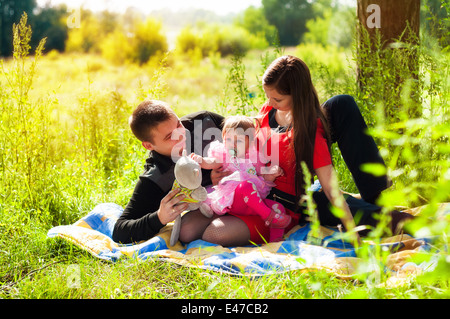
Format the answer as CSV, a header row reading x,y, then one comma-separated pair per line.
x,y
240,123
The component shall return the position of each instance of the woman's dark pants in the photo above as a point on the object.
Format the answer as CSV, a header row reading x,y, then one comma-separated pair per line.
x,y
348,130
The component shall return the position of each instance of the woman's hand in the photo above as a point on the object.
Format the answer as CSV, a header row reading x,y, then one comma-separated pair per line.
x,y
328,179
170,206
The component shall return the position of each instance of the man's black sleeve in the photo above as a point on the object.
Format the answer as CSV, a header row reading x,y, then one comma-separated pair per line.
x,y
207,120
139,220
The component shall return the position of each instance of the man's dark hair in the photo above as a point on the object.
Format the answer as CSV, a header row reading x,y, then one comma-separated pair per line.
x,y
147,116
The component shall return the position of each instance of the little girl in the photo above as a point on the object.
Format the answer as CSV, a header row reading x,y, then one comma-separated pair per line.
x,y
244,191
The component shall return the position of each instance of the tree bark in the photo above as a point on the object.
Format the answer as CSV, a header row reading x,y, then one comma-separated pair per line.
x,y
387,53
394,17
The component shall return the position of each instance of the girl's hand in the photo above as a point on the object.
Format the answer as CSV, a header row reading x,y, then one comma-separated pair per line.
x,y
276,171
272,173
217,174
196,158
205,162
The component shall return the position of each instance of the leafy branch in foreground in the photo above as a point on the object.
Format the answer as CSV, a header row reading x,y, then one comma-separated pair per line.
x,y
24,124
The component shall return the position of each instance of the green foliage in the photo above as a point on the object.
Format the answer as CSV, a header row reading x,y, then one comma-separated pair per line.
x,y
253,20
65,146
24,125
240,95
191,42
136,42
318,29
224,39
116,47
50,22
330,67
147,40
383,70
403,93
416,148
313,218
333,27
85,37
435,20
237,97
10,13
289,17
37,174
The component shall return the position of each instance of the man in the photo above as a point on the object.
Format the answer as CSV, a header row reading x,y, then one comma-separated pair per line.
x,y
153,203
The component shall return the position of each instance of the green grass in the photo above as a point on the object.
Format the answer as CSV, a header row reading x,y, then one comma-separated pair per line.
x,y
47,277
65,147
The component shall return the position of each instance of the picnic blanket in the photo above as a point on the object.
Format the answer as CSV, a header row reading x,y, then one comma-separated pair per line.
x,y
328,251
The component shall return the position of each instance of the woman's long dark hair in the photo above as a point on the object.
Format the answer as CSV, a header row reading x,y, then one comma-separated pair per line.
x,y
291,76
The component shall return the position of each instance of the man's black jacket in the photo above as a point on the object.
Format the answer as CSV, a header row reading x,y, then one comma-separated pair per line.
x,y
139,221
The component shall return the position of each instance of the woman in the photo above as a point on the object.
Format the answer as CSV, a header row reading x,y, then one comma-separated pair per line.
x,y
295,128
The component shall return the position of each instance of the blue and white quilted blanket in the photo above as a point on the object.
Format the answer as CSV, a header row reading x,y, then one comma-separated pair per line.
x,y
328,251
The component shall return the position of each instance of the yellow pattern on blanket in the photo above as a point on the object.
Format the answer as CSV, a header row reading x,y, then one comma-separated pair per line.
x,y
93,233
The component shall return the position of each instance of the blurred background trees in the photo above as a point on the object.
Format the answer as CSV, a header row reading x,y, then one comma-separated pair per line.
x,y
11,12
289,17
134,37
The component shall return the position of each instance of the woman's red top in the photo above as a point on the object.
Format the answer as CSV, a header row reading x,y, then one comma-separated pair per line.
x,y
268,139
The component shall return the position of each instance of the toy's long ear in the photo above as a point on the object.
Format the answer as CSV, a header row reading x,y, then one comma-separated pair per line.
x,y
184,153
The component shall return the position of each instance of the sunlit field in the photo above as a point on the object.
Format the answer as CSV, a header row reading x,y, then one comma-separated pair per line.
x,y
65,146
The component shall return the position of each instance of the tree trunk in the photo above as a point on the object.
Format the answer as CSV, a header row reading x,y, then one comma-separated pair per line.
x,y
387,54
391,18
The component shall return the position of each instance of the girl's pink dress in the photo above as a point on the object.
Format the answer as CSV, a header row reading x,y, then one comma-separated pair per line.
x,y
222,196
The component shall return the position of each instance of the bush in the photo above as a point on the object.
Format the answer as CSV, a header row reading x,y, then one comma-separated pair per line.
x,y
329,69
333,28
254,21
232,39
86,37
226,40
116,47
145,40
191,40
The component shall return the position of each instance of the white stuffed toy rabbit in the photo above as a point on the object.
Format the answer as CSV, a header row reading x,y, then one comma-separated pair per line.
x,y
188,178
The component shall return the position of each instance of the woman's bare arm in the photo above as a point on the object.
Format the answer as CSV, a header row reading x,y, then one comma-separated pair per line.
x,y
328,179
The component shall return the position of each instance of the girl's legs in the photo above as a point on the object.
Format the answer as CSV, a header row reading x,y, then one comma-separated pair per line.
x,y
193,225
348,129
227,231
220,230
248,202
230,230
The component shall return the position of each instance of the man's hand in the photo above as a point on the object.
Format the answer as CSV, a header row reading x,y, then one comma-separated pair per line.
x,y
218,174
170,206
